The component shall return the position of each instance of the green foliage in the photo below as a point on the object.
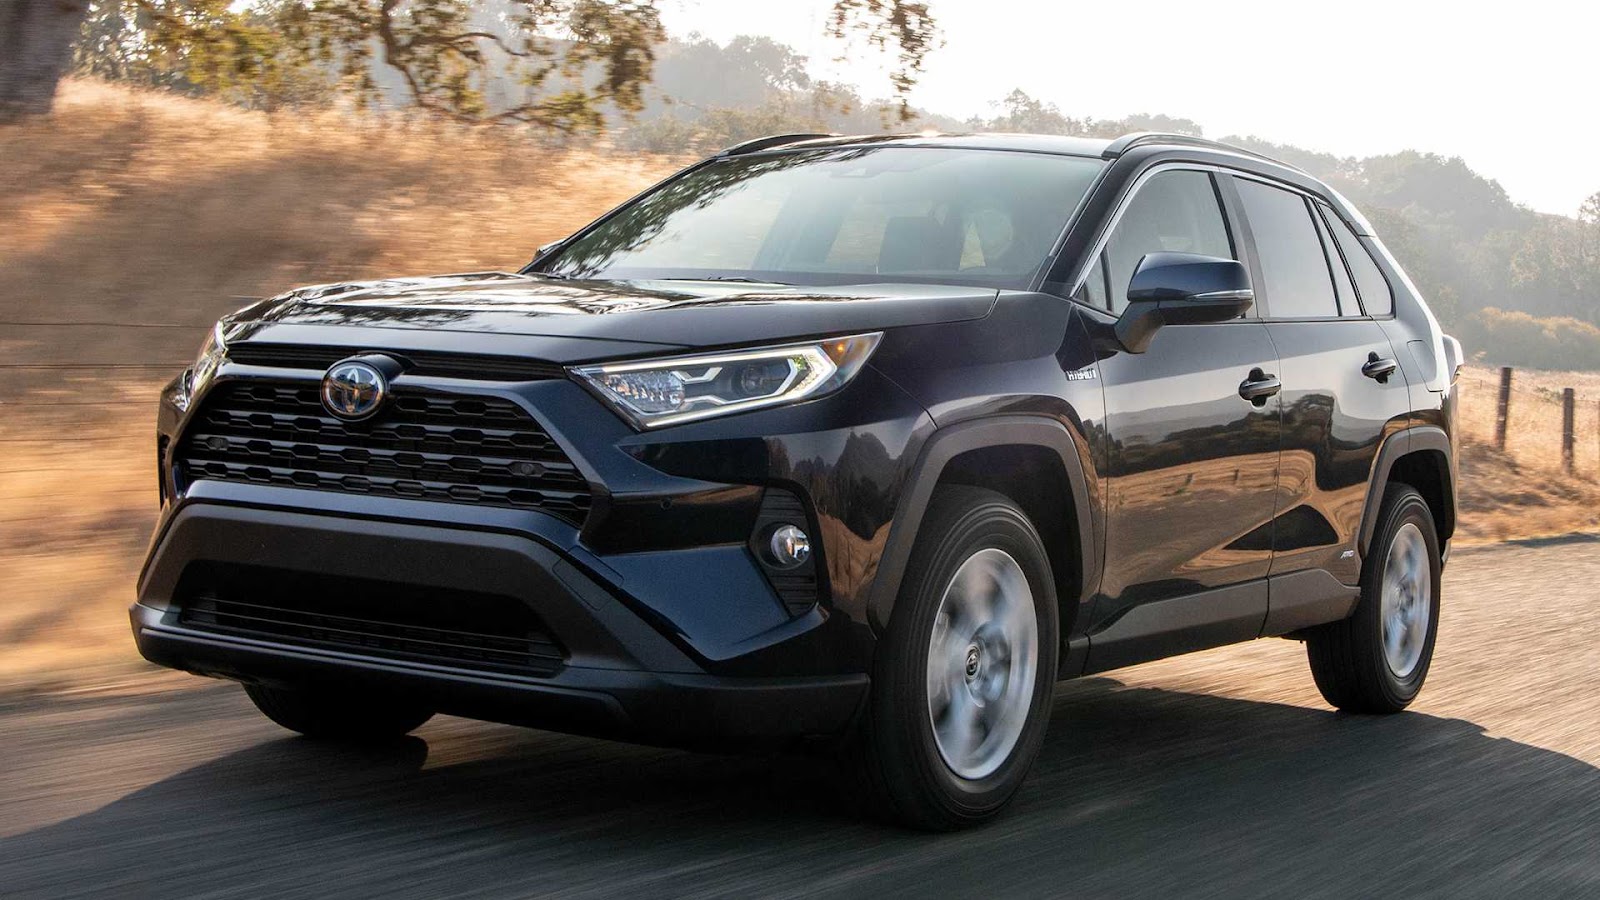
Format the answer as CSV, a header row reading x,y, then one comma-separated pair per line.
x,y
209,46
906,25
1517,339
1021,113
557,64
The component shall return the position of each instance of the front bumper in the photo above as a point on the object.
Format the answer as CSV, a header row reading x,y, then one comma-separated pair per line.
x,y
622,676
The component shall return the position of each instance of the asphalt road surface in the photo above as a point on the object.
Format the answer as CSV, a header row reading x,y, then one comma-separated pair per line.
x,y
1218,774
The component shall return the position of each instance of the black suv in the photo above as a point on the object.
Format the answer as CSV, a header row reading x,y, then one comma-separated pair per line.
x,y
863,439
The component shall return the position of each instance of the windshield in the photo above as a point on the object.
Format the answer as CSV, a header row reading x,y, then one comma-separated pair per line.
x,y
843,216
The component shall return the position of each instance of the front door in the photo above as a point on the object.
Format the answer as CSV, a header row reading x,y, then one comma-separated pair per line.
x,y
1191,456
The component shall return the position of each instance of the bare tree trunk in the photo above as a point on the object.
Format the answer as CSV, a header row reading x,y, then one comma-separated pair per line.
x,y
36,38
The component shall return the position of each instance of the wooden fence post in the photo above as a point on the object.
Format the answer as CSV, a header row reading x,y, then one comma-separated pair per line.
x,y
1568,403
1502,409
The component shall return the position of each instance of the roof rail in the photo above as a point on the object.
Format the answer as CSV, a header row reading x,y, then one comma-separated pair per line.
x,y
1139,138
772,140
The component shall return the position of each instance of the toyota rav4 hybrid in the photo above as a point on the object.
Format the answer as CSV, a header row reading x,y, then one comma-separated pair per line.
x,y
862,442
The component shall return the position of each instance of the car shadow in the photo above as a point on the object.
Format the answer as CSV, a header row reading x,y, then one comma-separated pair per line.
x,y
1138,792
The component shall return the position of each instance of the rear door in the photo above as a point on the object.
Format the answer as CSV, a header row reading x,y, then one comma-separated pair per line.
x,y
1341,389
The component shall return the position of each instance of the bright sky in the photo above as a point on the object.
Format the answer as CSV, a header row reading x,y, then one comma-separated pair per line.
x,y
1510,88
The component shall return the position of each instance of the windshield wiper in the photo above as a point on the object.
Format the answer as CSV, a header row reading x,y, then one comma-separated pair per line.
x,y
738,278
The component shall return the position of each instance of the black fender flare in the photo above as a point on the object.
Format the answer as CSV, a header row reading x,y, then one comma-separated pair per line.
x,y
1404,442
944,445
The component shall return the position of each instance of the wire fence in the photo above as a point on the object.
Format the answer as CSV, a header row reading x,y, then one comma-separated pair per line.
x,y
1542,428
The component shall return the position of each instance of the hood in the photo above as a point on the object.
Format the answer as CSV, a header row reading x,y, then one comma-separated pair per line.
x,y
570,321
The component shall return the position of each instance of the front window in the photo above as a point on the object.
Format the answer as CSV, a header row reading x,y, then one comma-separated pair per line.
x,y
843,216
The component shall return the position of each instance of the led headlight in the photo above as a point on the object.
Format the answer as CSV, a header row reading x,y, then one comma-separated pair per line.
x,y
205,366
656,392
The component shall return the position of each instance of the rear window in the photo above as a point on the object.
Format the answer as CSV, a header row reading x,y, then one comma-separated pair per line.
x,y
1299,284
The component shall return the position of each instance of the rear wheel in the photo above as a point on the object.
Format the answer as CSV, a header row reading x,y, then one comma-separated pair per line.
x,y
963,678
338,714
1376,660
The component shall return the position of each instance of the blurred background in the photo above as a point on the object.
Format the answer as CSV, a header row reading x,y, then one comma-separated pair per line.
x,y
163,162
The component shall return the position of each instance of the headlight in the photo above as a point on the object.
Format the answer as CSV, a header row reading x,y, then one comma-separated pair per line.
x,y
205,366
657,392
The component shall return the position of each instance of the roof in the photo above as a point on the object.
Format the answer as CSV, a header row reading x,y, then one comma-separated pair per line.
x,y
1035,143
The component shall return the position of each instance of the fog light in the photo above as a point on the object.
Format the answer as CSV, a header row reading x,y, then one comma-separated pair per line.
x,y
789,545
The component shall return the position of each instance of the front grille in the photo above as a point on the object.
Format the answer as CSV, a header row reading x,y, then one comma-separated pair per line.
x,y
455,628
433,364
425,445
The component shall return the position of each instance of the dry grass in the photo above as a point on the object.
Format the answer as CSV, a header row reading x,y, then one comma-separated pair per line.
x,y
1523,491
144,208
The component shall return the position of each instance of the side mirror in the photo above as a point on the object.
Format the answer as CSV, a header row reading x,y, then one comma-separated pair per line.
x,y
1181,289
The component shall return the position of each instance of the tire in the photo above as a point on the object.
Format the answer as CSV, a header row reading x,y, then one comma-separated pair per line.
x,y
919,747
1354,668
338,715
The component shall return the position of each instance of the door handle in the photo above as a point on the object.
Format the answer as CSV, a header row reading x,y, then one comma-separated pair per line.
x,y
1259,386
1378,368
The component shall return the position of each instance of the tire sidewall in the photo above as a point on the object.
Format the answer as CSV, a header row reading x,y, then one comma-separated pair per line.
x,y
1406,507
998,524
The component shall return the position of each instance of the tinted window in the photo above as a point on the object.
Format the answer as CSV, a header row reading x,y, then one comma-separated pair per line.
x,y
1376,294
843,216
1298,281
1348,304
1176,211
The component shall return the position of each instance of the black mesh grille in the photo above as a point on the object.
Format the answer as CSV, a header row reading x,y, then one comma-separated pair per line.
x,y
425,445
417,362
457,628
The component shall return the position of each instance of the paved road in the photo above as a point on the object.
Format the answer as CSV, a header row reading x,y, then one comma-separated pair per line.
x,y
1218,774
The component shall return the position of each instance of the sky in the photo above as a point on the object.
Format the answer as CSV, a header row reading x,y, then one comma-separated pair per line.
x,y
1510,88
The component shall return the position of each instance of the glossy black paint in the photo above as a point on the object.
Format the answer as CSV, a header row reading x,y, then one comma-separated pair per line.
x,y
1180,509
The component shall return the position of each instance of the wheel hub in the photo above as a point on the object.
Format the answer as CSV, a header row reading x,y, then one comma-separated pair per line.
x,y
1406,607
982,661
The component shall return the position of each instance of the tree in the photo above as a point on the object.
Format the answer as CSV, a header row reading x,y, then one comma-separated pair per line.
x,y
567,58
1020,112
905,24
35,50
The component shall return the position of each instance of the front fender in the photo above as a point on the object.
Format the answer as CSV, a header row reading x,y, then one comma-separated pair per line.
x,y
937,452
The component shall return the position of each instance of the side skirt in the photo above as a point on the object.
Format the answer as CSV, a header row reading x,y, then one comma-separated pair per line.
x,y
1267,607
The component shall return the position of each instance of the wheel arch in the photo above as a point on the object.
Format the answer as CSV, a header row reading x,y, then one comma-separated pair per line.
x,y
1006,454
1420,457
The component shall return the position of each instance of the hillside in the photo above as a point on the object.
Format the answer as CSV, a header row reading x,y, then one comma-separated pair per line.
x,y
141,207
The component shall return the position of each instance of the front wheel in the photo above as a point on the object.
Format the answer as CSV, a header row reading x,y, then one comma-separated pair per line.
x,y
963,679
1376,660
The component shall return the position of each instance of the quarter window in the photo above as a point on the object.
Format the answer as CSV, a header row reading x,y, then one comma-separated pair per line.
x,y
1176,211
1343,286
1376,295
1299,284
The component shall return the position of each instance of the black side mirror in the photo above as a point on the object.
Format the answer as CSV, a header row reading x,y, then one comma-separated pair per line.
x,y
1181,289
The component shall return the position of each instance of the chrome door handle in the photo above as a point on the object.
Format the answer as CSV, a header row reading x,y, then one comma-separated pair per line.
x,y
1259,386
1379,369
